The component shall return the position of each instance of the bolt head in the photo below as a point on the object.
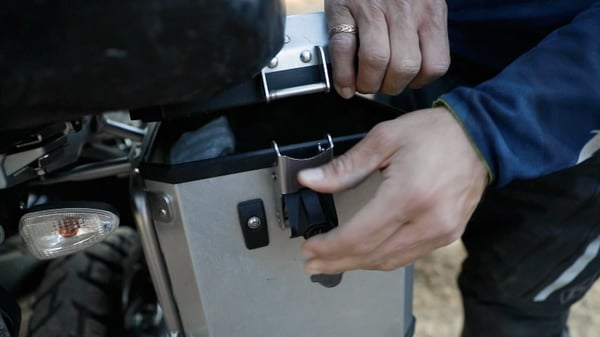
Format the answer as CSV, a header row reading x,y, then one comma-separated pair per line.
x,y
273,63
306,56
254,222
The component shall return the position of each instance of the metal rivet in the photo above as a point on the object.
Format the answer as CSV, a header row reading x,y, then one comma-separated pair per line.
x,y
274,62
254,222
287,39
163,212
305,56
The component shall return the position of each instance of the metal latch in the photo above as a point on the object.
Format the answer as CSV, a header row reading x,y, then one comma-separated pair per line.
x,y
286,171
319,58
300,67
304,211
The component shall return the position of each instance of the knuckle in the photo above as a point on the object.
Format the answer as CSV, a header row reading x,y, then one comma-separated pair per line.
x,y
445,226
407,67
374,58
431,71
341,165
401,73
381,135
448,231
421,200
342,43
436,9
436,69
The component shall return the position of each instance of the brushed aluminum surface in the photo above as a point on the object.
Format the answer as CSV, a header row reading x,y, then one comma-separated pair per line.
x,y
223,289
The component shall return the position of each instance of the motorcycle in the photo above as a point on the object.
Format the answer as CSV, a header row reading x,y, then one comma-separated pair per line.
x,y
148,188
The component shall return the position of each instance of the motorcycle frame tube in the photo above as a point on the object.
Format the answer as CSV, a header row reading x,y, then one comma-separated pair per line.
x,y
152,253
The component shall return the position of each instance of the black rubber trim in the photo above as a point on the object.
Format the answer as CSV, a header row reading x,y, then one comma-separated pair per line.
x,y
255,160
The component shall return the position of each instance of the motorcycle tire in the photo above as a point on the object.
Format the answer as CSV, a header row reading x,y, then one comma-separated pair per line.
x,y
81,294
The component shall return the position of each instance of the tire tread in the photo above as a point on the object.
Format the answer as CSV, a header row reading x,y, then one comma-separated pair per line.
x,y
76,299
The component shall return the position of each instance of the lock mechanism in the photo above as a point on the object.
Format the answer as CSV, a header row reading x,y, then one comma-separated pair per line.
x,y
304,211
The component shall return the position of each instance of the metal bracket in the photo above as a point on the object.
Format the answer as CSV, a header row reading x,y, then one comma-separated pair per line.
x,y
160,205
305,89
286,171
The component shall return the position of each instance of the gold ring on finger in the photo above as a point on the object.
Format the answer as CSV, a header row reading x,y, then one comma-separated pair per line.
x,y
342,28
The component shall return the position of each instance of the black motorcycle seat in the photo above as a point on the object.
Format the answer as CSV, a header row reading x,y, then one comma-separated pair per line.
x,y
63,59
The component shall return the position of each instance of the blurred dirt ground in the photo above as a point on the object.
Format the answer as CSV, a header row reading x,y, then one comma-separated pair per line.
x,y
437,303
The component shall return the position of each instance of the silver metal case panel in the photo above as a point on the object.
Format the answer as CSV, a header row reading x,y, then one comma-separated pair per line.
x,y
222,289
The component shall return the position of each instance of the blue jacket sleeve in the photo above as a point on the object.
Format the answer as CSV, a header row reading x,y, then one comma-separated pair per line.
x,y
537,115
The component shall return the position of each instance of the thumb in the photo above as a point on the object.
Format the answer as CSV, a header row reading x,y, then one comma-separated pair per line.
x,y
343,172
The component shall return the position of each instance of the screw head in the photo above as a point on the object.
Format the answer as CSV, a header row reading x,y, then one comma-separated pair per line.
x,y
305,56
254,222
162,212
273,63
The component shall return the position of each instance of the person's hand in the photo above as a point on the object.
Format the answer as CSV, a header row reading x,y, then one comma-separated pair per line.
x,y
432,180
399,43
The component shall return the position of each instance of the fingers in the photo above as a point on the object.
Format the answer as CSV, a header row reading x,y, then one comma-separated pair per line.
x,y
402,252
351,168
405,61
373,53
343,172
374,50
420,51
346,247
342,48
399,248
435,49
401,44
418,206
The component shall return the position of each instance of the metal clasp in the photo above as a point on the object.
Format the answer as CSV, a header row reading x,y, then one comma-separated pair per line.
x,y
286,171
305,89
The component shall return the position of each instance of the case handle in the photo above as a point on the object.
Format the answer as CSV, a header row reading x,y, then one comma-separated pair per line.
x,y
312,88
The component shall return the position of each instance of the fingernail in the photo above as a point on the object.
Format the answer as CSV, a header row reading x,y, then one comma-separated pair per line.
x,y
311,175
347,93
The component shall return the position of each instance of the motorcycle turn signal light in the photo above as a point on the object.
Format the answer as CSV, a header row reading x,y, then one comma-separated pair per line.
x,y
50,231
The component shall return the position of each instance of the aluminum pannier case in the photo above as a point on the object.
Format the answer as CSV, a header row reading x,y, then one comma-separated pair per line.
x,y
223,218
